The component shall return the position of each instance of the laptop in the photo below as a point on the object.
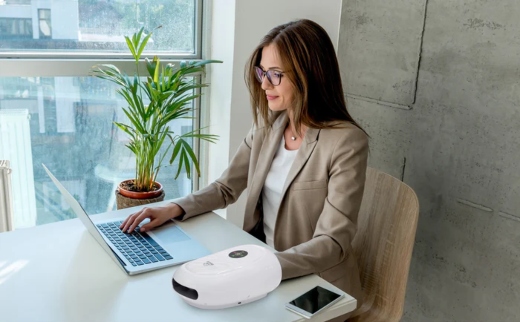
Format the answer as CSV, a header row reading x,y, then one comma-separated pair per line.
x,y
137,252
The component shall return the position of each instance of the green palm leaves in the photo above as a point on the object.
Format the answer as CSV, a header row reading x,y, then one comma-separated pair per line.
x,y
165,95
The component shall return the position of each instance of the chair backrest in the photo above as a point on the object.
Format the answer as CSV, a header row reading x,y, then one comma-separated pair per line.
x,y
383,245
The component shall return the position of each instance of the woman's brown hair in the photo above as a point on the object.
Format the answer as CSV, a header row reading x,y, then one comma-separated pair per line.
x,y
310,63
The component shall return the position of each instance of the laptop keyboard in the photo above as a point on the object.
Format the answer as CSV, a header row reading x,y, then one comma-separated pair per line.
x,y
139,248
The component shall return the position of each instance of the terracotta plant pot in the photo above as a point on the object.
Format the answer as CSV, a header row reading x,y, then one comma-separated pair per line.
x,y
126,198
140,195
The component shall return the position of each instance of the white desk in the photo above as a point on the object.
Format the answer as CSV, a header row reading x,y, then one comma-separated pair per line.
x,y
57,272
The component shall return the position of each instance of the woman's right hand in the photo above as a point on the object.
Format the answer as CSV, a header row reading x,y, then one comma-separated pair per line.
x,y
157,215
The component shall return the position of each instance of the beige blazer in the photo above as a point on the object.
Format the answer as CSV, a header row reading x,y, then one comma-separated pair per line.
x,y
322,194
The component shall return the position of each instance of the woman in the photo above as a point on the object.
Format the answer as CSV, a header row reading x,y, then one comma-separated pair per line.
x,y
303,161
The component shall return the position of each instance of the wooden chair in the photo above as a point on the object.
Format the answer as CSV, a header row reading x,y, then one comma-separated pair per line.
x,y
383,246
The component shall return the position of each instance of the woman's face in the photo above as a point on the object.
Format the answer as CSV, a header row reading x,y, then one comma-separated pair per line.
x,y
279,97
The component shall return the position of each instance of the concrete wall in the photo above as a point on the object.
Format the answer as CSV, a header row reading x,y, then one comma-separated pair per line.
x,y
436,84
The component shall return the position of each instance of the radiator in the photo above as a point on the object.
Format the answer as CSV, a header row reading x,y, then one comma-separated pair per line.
x,y
15,146
6,204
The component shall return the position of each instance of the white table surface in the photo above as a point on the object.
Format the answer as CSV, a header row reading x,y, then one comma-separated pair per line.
x,y
58,272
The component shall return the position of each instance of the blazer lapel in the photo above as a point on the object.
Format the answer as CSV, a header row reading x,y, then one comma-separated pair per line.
x,y
302,156
265,158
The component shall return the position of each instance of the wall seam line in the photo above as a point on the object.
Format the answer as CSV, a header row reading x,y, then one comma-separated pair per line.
x,y
420,53
378,102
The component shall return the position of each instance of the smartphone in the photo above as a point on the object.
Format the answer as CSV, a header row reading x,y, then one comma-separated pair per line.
x,y
313,301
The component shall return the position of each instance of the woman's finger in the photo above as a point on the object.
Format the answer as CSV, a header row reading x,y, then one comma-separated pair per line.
x,y
129,221
143,214
123,224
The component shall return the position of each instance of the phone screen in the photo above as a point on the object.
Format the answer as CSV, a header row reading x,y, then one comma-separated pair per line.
x,y
315,299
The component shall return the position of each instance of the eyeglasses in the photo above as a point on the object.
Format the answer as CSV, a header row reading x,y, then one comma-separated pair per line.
x,y
274,77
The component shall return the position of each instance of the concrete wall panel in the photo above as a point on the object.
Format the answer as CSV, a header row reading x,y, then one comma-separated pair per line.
x,y
461,142
389,133
381,45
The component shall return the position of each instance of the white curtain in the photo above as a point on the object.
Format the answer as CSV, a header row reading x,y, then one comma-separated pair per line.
x,y
6,205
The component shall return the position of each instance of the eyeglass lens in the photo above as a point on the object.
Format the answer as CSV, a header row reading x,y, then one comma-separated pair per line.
x,y
274,77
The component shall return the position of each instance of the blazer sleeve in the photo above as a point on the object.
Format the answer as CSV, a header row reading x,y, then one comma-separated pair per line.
x,y
226,189
336,226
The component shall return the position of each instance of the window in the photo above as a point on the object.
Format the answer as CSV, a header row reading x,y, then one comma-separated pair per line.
x,y
53,112
15,28
44,16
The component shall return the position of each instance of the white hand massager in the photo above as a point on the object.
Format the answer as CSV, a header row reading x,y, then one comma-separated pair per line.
x,y
231,277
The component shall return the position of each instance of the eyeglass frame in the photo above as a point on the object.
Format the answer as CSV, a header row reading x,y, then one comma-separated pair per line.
x,y
267,73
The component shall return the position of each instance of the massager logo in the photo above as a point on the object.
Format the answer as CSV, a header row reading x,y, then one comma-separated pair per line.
x,y
207,263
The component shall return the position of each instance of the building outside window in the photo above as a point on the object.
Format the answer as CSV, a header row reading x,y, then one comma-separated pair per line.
x,y
53,112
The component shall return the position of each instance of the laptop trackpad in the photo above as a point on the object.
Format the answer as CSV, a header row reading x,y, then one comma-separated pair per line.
x,y
169,235
179,244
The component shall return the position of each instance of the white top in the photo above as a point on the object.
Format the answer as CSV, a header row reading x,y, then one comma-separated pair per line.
x,y
272,191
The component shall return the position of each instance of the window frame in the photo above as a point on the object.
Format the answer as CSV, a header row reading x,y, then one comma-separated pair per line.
x,y
18,63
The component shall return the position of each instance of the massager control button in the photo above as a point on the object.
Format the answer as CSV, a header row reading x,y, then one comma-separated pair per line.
x,y
238,254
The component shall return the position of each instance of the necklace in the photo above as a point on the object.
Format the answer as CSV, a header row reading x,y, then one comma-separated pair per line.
x,y
293,137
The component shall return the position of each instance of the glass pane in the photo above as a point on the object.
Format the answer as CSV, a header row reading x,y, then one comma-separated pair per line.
x,y
45,23
97,25
44,13
67,124
15,28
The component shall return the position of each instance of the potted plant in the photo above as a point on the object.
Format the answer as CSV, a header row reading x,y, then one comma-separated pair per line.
x,y
162,96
